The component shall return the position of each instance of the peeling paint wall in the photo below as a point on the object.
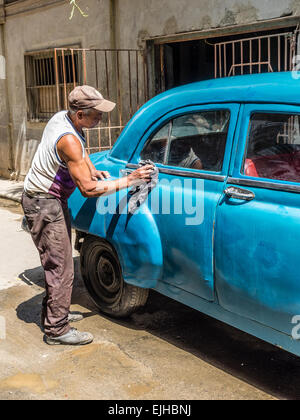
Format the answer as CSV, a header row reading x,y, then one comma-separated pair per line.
x,y
111,23
163,17
49,28
4,115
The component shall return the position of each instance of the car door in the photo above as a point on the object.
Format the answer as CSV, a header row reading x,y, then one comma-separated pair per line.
x,y
191,147
257,229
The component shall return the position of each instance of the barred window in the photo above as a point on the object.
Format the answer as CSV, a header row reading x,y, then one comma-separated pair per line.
x,y
46,82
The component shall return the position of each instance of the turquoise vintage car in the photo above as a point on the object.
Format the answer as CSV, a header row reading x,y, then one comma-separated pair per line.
x,y
221,231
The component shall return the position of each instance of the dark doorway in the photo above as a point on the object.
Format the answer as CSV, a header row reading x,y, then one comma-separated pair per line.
x,y
184,62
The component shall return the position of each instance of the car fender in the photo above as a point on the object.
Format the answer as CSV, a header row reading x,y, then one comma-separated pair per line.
x,y
135,238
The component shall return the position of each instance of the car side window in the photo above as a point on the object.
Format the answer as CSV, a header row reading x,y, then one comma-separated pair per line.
x,y
156,148
195,141
273,147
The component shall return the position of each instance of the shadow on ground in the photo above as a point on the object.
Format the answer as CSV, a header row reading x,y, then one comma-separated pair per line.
x,y
264,366
30,311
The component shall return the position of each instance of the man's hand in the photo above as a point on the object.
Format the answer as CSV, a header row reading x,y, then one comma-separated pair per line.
x,y
103,175
142,174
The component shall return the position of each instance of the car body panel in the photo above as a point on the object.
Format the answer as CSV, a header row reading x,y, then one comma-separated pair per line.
x,y
187,239
240,265
136,240
257,243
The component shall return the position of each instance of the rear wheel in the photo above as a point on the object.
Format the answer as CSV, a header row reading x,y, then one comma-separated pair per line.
x,y
102,275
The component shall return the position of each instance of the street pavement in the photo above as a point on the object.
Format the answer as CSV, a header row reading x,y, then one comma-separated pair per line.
x,y
167,351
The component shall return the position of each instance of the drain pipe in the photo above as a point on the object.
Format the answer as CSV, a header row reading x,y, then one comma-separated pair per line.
x,y
112,18
11,167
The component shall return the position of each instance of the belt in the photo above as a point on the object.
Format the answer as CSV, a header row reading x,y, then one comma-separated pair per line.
x,y
39,195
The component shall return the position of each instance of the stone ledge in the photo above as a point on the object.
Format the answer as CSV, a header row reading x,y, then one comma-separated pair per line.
x,y
11,190
24,6
2,14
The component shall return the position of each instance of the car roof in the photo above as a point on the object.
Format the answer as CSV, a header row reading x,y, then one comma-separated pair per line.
x,y
280,88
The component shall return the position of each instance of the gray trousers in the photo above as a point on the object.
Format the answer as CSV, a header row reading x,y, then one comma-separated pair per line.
x,y
50,227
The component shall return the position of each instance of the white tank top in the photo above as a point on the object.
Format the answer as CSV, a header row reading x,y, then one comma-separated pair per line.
x,y
48,174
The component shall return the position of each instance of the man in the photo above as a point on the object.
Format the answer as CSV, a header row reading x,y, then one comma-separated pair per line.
x,y
59,166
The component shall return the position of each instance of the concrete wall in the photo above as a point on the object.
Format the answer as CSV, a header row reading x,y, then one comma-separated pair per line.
x,y
111,23
137,19
37,30
5,138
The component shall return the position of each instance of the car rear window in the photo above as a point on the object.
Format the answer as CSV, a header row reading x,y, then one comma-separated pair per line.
x,y
273,147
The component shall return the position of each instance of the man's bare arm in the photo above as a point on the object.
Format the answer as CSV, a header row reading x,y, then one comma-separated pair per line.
x,y
96,175
89,164
70,151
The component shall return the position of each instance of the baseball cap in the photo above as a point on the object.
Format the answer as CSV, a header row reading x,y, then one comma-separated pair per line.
x,y
85,97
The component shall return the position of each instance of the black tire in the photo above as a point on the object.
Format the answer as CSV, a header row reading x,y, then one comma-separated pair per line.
x,y
102,275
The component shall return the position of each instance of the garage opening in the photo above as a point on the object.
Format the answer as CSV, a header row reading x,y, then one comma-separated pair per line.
x,y
178,63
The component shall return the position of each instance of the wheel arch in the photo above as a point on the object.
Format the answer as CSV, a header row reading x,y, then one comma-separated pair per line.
x,y
137,245
102,274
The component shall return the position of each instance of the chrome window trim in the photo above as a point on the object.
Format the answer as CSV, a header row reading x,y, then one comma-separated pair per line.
x,y
182,173
278,186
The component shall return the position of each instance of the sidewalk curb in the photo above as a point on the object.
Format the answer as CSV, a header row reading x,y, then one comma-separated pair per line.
x,y
10,197
11,190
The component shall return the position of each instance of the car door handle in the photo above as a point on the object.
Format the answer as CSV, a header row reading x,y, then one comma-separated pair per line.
x,y
239,193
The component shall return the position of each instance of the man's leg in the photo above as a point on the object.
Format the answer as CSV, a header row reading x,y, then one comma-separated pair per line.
x,y
57,260
51,232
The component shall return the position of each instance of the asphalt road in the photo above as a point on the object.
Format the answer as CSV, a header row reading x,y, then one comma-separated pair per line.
x,y
168,351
